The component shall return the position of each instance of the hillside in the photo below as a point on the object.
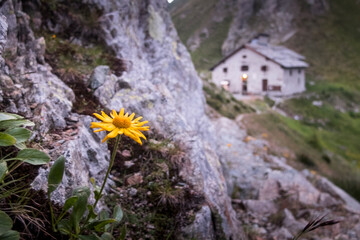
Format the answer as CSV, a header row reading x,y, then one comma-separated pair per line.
x,y
108,132
324,138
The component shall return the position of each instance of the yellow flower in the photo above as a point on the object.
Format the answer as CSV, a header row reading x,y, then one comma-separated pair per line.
x,y
120,124
54,36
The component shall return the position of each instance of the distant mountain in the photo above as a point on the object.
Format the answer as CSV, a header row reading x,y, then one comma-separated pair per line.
x,y
327,32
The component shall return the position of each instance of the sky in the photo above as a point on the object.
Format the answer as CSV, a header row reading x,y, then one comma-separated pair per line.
x,y
170,1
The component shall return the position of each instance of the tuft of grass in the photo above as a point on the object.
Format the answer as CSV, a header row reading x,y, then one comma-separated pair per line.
x,y
315,224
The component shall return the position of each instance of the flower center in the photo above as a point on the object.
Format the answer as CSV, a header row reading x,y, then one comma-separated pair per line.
x,y
121,122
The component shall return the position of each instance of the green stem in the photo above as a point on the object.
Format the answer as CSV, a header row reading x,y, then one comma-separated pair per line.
x,y
52,214
109,169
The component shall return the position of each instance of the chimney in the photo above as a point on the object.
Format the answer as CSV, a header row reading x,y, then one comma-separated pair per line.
x,y
263,38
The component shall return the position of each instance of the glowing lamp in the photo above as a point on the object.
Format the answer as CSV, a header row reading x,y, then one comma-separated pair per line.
x,y
244,77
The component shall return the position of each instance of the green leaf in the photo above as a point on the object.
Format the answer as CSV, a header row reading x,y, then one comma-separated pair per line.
x,y
122,233
56,174
6,140
98,225
70,202
64,227
118,213
79,208
8,116
92,213
33,156
21,134
103,215
5,124
90,237
106,236
20,146
6,222
10,235
3,170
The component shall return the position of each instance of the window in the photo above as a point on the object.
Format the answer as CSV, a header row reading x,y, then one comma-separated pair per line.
x,y
290,72
264,68
225,84
225,70
299,70
244,56
244,68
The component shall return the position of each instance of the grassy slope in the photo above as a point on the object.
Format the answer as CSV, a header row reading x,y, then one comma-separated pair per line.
x,y
326,138
192,16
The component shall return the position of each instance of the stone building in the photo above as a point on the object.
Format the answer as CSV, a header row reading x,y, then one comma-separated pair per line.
x,y
260,68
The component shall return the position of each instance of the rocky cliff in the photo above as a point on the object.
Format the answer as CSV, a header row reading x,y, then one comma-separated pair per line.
x,y
158,81
161,85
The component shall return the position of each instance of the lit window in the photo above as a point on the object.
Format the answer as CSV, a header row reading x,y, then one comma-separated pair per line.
x,y
264,68
244,68
225,70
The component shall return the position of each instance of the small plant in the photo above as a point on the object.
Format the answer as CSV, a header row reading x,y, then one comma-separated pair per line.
x,y
94,226
14,133
314,224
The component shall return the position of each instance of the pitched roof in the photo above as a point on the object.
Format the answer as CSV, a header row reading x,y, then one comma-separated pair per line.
x,y
278,54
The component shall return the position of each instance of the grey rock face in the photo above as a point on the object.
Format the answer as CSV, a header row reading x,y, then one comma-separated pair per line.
x,y
268,188
98,76
29,88
202,228
85,158
273,17
165,89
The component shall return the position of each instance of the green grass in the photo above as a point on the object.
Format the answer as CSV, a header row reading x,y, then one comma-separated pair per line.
x,y
71,56
331,43
332,153
190,16
223,102
209,52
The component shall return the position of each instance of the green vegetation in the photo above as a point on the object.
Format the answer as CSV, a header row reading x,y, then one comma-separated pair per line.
x,y
14,193
188,16
73,59
223,102
331,43
209,52
193,17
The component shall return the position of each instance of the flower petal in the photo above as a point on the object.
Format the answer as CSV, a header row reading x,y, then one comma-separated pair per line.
x,y
114,113
137,133
121,113
132,136
146,128
106,117
136,119
131,117
112,134
106,126
140,123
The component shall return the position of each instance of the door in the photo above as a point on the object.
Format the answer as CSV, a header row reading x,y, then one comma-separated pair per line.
x,y
264,85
